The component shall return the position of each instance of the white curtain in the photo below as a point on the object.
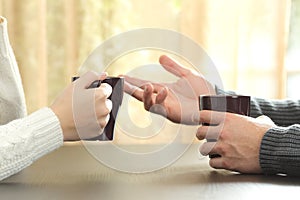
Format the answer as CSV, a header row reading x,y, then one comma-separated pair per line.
x,y
246,39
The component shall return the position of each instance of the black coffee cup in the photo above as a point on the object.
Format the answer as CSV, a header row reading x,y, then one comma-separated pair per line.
x,y
117,84
224,103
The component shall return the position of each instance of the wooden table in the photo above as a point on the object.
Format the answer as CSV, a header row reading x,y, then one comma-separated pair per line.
x,y
72,173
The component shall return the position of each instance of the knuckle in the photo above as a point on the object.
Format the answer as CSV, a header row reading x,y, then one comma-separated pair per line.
x,y
102,124
106,111
103,112
103,121
103,91
99,94
221,150
200,134
147,106
223,135
108,106
225,164
204,149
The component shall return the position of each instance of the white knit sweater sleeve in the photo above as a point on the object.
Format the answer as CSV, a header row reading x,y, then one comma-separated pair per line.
x,y
12,100
23,139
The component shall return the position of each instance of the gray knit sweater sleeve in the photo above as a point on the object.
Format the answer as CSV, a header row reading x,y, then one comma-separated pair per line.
x,y
280,146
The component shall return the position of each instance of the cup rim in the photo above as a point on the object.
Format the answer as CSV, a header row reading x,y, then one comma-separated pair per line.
x,y
108,77
114,77
225,96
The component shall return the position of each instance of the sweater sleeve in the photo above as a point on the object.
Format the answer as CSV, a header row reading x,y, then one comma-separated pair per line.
x,y
25,140
280,146
12,99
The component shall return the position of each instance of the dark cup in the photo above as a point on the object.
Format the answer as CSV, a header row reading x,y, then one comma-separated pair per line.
x,y
225,103
117,84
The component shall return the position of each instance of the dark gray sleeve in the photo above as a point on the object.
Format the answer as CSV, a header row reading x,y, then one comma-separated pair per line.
x,y
282,112
280,151
280,146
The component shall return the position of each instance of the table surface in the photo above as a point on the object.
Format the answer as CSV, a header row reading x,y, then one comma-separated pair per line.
x,y
72,173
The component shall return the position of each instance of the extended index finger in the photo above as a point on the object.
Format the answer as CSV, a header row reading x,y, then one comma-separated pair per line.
x,y
157,87
134,91
136,81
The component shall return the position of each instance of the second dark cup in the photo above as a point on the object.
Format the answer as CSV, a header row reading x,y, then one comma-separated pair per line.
x,y
225,103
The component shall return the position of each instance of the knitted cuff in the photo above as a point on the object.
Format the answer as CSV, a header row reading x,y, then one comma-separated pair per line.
x,y
279,151
46,130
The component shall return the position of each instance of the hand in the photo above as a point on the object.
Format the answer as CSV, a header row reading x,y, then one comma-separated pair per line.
x,y
82,112
177,101
238,140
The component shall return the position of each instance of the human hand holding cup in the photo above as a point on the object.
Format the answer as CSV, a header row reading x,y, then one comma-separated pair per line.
x,y
237,104
117,84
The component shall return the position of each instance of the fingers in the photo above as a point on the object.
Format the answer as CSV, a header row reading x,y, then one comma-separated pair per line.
x,y
211,117
103,121
206,148
108,105
103,105
222,162
103,113
104,89
212,124
147,96
136,81
150,99
134,91
149,93
139,83
172,66
103,76
208,132
162,95
214,146
86,80
218,163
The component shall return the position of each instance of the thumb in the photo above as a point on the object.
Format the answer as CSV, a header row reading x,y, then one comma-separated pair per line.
x,y
172,66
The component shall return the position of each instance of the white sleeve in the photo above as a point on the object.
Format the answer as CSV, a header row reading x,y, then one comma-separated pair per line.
x,y
12,99
25,140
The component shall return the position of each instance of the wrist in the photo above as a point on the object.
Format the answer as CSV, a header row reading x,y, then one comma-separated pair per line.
x,y
67,130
